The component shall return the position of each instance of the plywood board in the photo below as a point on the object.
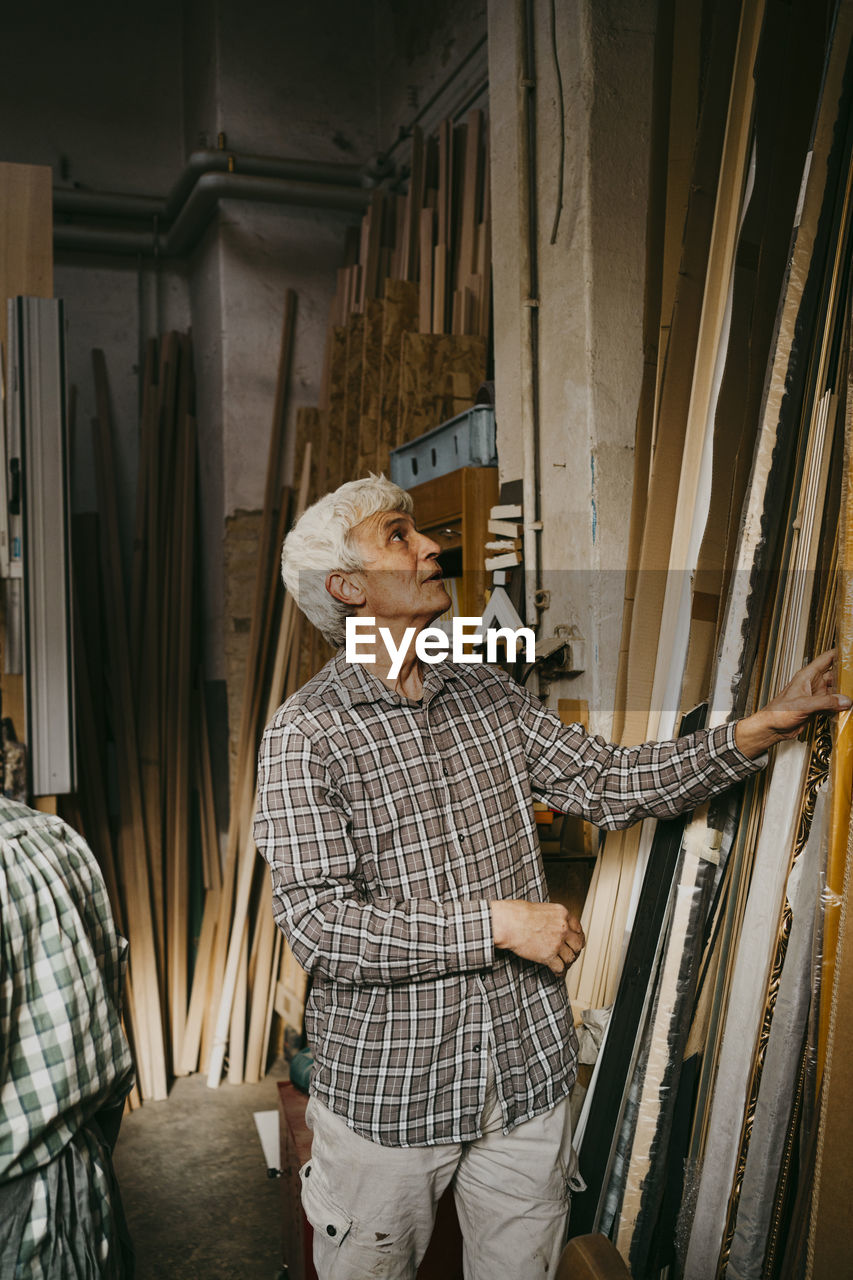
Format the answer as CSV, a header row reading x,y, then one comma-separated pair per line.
x,y
352,395
368,428
439,377
337,408
399,315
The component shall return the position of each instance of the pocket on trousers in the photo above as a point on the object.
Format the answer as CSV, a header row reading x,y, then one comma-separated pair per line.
x,y
325,1215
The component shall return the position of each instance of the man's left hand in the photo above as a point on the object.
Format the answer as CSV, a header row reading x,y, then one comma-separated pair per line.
x,y
810,692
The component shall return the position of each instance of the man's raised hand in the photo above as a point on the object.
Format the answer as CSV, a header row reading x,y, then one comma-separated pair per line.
x,y
810,692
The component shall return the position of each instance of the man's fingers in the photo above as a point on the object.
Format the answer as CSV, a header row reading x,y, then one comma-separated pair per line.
x,y
822,663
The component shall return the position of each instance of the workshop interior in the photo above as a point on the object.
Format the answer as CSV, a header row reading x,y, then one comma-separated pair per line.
x,y
575,275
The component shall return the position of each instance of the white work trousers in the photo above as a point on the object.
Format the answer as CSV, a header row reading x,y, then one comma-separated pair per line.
x,y
372,1207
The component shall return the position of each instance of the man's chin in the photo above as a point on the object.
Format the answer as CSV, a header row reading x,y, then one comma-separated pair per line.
x,y
441,590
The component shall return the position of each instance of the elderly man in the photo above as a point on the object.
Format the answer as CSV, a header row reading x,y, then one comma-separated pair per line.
x,y
397,818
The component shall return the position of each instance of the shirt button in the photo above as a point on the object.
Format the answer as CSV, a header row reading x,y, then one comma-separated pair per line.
x,y
331,1231
477,1048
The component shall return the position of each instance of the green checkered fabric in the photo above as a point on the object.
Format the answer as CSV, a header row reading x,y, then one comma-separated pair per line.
x,y
64,1060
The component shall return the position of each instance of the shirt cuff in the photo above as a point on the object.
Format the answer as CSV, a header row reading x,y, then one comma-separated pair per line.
x,y
470,936
724,747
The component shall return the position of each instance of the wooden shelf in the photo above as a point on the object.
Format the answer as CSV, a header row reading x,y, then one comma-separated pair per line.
x,y
454,509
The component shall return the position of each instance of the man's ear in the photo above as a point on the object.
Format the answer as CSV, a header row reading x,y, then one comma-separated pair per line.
x,y
345,589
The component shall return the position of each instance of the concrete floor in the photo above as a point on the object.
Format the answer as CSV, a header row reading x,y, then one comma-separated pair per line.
x,y
193,1179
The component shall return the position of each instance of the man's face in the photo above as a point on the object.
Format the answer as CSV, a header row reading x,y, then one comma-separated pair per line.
x,y
401,580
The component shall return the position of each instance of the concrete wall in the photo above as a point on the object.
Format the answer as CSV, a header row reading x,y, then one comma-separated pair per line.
x,y
590,302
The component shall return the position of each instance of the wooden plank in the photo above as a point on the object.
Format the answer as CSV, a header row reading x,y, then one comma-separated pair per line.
x,y
263,603
226,987
479,494
237,1036
151,657
445,168
276,965
352,395
439,377
26,234
465,263
440,258
291,992
203,781
201,993
414,204
399,315
372,255
178,846
484,273
371,360
426,265
264,976
335,443
830,1218
148,1032
147,456
91,736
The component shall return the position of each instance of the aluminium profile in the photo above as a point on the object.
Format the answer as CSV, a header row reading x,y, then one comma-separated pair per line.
x,y
39,334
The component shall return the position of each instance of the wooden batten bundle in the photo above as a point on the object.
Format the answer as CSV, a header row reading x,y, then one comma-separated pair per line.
x,y
139,684
750,363
409,326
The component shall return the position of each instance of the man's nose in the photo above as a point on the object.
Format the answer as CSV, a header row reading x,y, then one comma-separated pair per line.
x,y
429,549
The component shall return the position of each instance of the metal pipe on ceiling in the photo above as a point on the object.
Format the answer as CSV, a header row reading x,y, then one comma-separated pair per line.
x,y
106,204
199,206
224,161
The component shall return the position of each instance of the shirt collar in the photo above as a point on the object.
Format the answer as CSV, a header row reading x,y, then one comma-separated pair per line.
x,y
357,685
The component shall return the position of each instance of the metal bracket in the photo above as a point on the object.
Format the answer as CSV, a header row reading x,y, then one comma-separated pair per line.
x,y
563,653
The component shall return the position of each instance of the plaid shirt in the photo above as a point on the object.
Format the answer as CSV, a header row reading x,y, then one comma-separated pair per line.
x,y
389,825
63,1055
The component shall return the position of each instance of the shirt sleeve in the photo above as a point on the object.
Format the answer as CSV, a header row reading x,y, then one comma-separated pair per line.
x,y
301,829
614,787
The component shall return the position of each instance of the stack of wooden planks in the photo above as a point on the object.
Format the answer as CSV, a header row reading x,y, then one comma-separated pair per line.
x,y
140,693
409,323
206,962
243,963
409,326
710,1076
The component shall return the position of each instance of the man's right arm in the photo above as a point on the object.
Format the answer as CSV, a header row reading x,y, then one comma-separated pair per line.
x,y
301,828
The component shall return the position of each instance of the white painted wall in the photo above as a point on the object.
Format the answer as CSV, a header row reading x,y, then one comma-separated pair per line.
x,y
590,302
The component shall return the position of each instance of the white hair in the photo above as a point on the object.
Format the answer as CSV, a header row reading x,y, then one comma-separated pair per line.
x,y
319,544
